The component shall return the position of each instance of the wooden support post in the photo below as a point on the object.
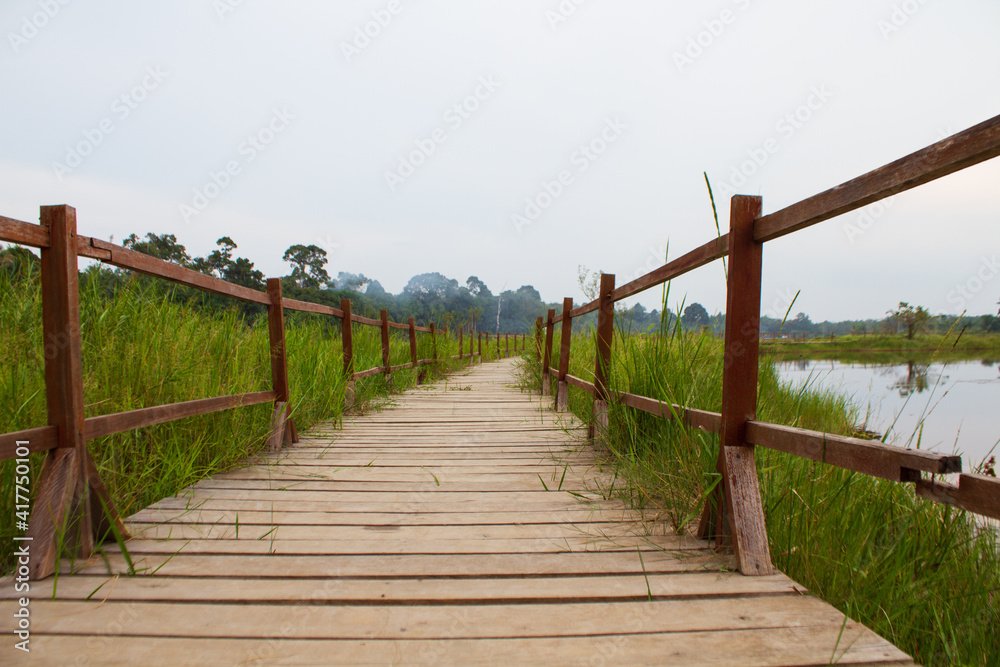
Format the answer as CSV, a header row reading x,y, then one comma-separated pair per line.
x,y
434,345
538,339
71,504
602,369
347,344
506,340
479,348
744,513
386,360
279,357
547,359
562,389
472,349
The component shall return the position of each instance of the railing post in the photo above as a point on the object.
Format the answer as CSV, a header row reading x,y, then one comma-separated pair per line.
x,y
562,390
547,360
472,340
602,369
506,341
413,345
281,427
386,361
63,500
538,339
347,343
742,504
479,348
434,345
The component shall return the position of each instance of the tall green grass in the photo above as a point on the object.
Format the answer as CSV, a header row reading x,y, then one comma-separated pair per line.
x,y
142,348
926,576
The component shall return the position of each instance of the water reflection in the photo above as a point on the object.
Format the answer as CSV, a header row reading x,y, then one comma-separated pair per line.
x,y
945,406
915,380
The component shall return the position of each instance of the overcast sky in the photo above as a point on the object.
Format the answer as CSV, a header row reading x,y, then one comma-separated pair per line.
x,y
415,136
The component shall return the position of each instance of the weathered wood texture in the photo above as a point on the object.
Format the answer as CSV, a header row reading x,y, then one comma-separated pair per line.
x,y
461,527
742,508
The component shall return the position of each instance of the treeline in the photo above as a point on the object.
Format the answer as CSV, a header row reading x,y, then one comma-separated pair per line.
x,y
433,297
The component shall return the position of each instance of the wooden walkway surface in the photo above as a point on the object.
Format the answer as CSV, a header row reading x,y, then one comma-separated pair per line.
x,y
466,525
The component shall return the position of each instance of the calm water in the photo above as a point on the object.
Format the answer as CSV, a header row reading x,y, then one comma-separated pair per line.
x,y
959,401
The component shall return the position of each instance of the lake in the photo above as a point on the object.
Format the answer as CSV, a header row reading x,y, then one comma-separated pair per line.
x,y
958,401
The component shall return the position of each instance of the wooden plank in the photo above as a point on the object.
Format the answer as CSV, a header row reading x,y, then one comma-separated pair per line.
x,y
40,439
870,457
700,256
417,518
307,307
597,533
388,545
402,621
588,387
23,233
959,151
368,373
703,588
762,648
745,513
585,308
975,493
366,320
98,427
141,263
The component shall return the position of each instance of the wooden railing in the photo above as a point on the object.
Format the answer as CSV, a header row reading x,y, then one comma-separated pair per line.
x,y
738,496
69,492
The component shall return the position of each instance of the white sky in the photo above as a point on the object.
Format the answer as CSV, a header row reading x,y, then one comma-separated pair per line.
x,y
884,77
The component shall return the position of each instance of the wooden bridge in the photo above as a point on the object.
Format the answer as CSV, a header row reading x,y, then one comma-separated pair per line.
x,y
467,524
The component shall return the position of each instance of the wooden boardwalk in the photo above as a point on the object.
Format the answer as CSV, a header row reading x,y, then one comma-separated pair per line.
x,y
466,525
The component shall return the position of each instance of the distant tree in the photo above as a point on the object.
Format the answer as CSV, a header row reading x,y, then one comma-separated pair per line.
x,y
242,272
478,288
218,260
530,292
352,281
307,265
375,288
913,319
803,323
18,263
163,246
695,316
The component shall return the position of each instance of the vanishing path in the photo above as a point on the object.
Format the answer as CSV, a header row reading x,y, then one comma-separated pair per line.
x,y
464,525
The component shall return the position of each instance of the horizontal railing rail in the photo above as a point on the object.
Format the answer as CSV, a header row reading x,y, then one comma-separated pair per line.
x,y
69,473
736,424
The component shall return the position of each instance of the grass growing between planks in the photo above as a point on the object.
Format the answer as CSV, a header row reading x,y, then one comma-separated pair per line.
x,y
923,575
141,348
